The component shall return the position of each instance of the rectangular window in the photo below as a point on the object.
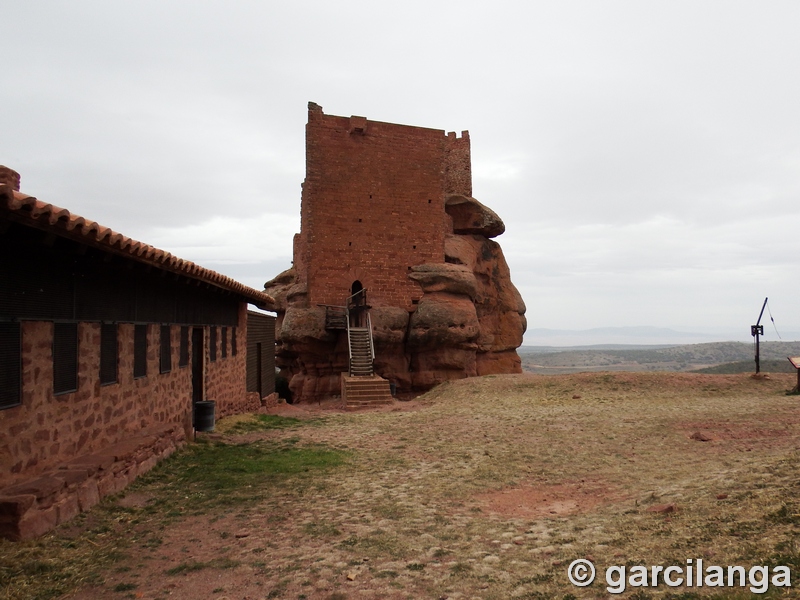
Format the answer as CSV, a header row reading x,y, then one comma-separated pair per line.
x,y
224,342
184,357
65,358
233,341
166,349
212,343
10,365
140,351
109,351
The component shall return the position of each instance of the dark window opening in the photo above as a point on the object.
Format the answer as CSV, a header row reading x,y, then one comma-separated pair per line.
x,y
224,342
212,343
109,351
197,364
259,369
65,358
183,361
10,365
166,349
140,351
233,341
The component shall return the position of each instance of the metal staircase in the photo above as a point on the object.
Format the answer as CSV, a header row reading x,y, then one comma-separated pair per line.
x,y
361,351
360,386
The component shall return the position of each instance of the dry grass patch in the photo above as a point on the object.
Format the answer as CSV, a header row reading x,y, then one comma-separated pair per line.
x,y
488,490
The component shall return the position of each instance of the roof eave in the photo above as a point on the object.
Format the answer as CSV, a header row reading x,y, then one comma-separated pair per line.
x,y
29,211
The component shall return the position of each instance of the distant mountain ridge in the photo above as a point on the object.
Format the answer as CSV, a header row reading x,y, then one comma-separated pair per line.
x,y
639,335
686,357
630,330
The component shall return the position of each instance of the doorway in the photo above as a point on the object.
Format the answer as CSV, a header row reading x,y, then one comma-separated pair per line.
x,y
357,304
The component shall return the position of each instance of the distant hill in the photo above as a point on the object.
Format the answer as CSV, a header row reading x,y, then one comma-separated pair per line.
x,y
687,357
644,335
767,366
629,335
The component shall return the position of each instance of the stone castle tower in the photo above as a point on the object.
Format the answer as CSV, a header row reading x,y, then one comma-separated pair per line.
x,y
389,229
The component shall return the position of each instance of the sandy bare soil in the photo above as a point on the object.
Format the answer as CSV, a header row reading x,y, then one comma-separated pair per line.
x,y
485,488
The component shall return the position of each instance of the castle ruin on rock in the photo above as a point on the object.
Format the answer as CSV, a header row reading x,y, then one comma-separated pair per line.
x,y
395,273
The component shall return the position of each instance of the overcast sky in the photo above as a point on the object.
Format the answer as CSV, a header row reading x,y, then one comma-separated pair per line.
x,y
645,156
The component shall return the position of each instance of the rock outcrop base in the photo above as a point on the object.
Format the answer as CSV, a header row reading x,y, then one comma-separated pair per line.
x,y
469,320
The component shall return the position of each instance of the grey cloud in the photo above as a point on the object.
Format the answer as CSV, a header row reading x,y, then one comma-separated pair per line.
x,y
644,156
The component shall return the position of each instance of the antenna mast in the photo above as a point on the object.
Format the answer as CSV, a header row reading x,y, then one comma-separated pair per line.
x,y
756,331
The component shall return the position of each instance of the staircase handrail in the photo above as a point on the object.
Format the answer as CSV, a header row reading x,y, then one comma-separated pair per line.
x,y
346,308
351,296
349,343
369,329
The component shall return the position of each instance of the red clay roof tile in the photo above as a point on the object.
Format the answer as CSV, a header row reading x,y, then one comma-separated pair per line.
x,y
60,221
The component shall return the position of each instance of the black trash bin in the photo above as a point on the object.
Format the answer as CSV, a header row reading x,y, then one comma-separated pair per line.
x,y
204,413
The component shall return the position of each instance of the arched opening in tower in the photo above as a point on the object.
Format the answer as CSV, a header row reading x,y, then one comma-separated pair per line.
x,y
357,304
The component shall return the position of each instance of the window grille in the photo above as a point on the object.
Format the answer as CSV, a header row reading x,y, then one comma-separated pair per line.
x,y
166,349
109,351
10,365
140,351
65,358
184,353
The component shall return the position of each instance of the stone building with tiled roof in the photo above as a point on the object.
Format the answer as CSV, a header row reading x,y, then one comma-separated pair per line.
x,y
106,345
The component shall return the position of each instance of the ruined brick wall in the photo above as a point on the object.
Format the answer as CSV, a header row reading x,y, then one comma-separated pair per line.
x,y
373,205
458,165
47,429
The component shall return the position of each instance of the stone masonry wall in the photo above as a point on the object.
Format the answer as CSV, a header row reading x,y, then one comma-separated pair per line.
x,y
226,378
35,506
47,429
372,207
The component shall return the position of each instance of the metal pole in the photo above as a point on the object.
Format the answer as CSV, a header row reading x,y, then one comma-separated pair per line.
x,y
758,357
758,330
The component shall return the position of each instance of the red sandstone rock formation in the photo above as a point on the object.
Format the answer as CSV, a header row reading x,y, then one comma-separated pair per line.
x,y
390,208
469,321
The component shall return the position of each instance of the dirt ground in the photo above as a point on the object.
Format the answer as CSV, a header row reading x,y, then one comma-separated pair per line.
x,y
488,488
